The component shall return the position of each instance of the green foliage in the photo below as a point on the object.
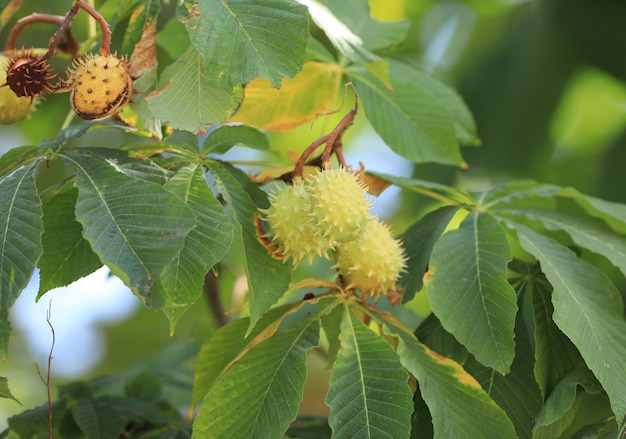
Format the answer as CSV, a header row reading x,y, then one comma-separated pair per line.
x,y
521,282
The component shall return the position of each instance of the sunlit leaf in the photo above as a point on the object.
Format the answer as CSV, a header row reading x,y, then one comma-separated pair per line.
x,y
268,278
408,118
340,35
418,241
20,241
67,256
205,245
458,405
469,292
264,388
311,93
355,14
189,99
369,396
242,40
587,308
135,226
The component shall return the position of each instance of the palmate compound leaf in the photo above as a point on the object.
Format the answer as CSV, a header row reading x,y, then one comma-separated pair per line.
x,y
369,396
135,226
245,39
258,397
268,278
190,98
182,281
459,406
587,308
468,291
20,241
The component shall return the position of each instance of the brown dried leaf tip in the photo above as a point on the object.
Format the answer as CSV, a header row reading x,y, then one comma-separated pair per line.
x,y
29,75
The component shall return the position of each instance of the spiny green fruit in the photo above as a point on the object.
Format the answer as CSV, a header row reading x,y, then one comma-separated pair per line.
x,y
373,262
12,108
338,204
290,225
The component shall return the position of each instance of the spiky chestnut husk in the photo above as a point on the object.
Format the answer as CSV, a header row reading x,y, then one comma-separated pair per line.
x,y
101,86
28,75
373,262
290,225
338,204
12,108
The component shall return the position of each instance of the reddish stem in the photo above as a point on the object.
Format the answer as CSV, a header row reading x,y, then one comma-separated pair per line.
x,y
334,139
297,172
62,27
106,31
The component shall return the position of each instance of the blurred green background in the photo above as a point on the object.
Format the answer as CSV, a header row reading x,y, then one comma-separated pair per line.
x,y
544,80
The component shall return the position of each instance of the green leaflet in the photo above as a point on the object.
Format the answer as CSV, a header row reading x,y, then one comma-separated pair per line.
x,y
204,246
135,226
418,241
258,397
369,396
268,278
20,241
190,98
67,256
412,121
5,392
457,403
240,41
587,308
469,292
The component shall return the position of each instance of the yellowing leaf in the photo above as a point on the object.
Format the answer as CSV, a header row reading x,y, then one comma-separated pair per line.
x,y
309,94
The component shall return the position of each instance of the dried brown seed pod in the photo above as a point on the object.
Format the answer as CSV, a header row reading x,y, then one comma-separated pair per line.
x,y
29,75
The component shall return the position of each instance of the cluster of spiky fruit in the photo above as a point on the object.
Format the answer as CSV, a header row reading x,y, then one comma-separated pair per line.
x,y
328,216
100,85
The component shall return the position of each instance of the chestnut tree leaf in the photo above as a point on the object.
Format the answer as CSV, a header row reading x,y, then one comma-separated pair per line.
x,y
240,40
189,98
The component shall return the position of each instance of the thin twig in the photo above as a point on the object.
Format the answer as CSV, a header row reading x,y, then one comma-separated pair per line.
x,y
47,380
